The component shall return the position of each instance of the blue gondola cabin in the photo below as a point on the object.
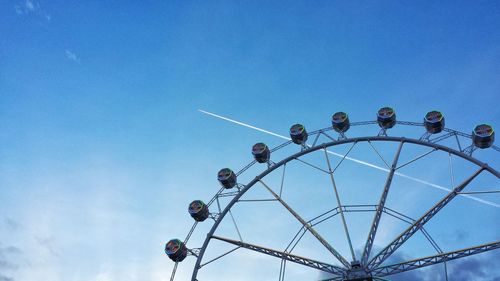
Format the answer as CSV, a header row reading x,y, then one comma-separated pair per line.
x,y
386,117
176,250
298,134
261,152
198,210
340,122
227,178
434,122
483,136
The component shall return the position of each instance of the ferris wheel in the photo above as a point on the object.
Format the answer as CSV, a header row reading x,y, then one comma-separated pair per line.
x,y
324,241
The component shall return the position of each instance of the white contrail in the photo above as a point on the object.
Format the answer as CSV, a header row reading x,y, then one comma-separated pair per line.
x,y
354,160
243,124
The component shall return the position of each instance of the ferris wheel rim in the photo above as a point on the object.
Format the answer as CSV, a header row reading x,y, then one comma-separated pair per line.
x,y
326,145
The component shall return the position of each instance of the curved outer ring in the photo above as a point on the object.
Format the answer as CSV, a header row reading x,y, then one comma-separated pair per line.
x,y
324,146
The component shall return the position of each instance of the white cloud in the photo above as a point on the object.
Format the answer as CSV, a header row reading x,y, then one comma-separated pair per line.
x,y
72,56
19,10
31,7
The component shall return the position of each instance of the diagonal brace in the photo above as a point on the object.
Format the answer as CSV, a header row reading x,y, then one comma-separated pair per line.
x,y
431,260
287,256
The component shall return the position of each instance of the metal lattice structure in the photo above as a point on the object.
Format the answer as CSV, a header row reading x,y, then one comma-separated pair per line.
x,y
368,266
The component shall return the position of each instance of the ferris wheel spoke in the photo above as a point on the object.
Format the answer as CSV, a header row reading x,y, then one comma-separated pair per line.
x,y
403,237
380,208
339,204
308,226
336,270
431,260
481,192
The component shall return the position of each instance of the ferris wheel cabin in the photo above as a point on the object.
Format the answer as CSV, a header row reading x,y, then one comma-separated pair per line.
x,y
434,122
227,178
198,210
340,122
261,152
298,134
176,250
386,117
483,136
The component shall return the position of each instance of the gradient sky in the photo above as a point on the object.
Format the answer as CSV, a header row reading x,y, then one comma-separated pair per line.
x,y
102,146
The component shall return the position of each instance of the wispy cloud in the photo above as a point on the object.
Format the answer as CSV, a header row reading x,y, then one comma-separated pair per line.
x,y
9,250
72,56
31,7
7,261
49,244
12,224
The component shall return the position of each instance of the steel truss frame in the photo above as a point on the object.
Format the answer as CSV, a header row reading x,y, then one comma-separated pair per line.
x,y
336,270
431,260
374,267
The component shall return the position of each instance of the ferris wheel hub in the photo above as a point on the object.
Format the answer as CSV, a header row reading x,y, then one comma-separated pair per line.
x,y
358,273
368,278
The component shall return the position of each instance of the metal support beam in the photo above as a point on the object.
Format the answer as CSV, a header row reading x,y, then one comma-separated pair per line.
x,y
309,227
282,270
416,158
190,232
289,257
380,208
431,260
394,245
409,123
339,204
173,271
443,137
481,192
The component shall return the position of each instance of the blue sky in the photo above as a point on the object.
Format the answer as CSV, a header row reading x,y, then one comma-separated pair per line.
x,y
102,146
